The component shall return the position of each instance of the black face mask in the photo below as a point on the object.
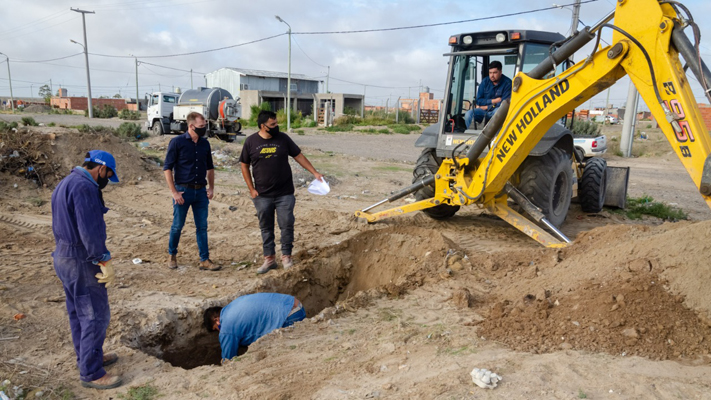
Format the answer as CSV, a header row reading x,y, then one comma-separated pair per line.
x,y
102,181
201,131
273,131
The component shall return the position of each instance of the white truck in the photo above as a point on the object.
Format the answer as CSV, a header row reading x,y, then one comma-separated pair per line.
x,y
589,146
168,112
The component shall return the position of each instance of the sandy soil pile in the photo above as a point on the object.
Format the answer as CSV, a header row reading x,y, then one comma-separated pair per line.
x,y
620,290
46,155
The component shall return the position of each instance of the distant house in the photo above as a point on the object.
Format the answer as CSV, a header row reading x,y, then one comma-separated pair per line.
x,y
255,87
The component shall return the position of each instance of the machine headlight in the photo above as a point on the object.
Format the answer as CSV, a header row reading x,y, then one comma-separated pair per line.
x,y
467,40
500,37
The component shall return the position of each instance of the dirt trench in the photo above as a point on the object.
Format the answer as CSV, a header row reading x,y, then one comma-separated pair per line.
x,y
327,281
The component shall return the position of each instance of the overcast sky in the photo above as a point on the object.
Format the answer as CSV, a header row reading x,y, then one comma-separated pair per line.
x,y
398,61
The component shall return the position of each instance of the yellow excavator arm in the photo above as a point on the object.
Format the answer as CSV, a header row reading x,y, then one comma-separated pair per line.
x,y
642,48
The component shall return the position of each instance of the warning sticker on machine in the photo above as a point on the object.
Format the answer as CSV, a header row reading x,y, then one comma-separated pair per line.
x,y
448,140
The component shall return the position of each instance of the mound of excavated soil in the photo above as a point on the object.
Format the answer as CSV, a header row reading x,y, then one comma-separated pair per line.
x,y
632,290
37,108
46,155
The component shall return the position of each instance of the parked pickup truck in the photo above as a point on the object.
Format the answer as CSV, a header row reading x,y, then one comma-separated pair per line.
x,y
590,146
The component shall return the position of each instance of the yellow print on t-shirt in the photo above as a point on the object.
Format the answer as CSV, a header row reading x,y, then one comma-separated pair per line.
x,y
268,150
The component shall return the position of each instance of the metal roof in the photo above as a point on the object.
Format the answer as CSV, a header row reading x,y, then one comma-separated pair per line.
x,y
271,74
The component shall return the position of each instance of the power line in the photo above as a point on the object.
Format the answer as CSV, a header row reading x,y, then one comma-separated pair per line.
x,y
197,52
46,61
307,56
174,69
439,23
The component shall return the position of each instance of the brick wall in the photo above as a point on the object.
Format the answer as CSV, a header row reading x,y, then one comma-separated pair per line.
x,y
82,103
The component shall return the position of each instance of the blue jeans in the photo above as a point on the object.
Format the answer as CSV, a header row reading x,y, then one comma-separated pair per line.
x,y
89,314
478,114
295,317
197,199
284,208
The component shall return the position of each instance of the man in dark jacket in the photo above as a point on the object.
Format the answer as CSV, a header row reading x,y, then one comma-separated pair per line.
x,y
190,175
83,263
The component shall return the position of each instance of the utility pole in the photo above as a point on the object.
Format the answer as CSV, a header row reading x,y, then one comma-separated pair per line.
x,y
9,77
607,105
362,109
576,15
629,122
191,78
86,57
288,80
138,104
50,87
328,75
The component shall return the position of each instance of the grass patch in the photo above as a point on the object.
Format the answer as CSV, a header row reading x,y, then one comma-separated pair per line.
x,y
146,392
389,314
384,131
458,351
300,132
36,201
338,128
392,168
645,205
51,124
581,394
368,130
404,129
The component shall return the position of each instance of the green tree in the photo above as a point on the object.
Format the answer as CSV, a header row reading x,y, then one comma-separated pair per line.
x,y
45,92
117,96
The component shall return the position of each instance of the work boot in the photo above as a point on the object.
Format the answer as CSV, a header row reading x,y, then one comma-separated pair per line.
x,y
269,264
207,265
172,261
110,358
107,381
287,262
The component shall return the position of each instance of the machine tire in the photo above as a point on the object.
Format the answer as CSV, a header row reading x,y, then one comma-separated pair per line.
x,y
591,191
547,181
579,154
157,128
428,164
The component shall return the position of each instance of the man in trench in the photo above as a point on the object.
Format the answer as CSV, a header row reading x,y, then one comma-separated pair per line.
x,y
83,263
249,317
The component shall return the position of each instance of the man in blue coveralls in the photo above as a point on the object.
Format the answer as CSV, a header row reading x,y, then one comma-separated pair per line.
x,y
190,175
492,91
83,263
249,317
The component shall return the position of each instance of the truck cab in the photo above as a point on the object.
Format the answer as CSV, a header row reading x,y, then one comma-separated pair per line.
x,y
160,111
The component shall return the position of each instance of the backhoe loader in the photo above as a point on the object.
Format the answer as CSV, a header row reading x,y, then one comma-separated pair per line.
x,y
524,154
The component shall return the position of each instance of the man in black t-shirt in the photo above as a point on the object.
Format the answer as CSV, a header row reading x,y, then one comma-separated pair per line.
x,y
267,152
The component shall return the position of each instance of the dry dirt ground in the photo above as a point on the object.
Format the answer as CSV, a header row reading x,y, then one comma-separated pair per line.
x,y
402,309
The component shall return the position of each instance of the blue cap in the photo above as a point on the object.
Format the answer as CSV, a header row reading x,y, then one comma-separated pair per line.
x,y
104,158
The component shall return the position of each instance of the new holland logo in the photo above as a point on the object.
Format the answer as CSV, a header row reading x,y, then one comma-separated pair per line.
x,y
530,115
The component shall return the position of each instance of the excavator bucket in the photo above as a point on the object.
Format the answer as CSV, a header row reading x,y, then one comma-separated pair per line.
x,y
616,186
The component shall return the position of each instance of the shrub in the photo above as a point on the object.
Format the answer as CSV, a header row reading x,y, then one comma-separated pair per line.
x,y
645,205
384,130
51,124
309,123
584,128
129,130
255,112
4,126
107,111
29,121
350,111
129,114
347,119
